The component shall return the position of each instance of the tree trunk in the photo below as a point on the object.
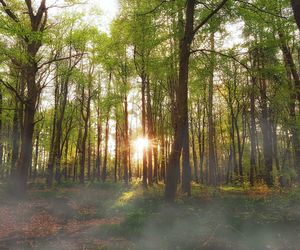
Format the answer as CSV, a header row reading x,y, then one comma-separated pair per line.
x,y
86,117
116,150
296,9
104,168
89,153
294,95
145,173
252,134
15,140
181,138
266,132
150,133
99,140
36,157
126,141
195,160
211,147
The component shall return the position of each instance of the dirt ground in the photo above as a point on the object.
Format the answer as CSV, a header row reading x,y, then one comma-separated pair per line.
x,y
112,216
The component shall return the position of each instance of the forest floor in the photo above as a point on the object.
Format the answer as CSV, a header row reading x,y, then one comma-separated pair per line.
x,y
113,216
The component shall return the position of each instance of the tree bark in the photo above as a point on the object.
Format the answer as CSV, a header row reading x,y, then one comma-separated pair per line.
x,y
181,134
296,9
211,146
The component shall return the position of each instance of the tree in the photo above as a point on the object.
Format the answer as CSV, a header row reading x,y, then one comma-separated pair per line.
x,y
181,139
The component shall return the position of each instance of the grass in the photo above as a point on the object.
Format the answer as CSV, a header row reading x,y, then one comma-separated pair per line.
x,y
213,218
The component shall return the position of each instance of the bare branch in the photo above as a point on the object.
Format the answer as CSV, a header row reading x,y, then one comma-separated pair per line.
x,y
260,9
12,89
152,10
233,57
206,19
60,59
30,10
9,12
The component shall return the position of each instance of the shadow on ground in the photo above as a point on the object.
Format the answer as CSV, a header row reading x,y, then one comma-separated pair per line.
x,y
115,216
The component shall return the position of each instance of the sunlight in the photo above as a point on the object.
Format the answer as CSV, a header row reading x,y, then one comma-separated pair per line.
x,y
140,144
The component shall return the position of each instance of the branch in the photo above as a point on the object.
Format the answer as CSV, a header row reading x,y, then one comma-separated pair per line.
x,y
205,20
222,54
29,7
9,12
40,12
43,26
12,89
153,10
60,59
261,10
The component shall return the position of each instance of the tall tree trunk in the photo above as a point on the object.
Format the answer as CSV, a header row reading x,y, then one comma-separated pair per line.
x,y
294,95
145,171
99,140
126,141
15,139
150,133
211,147
252,134
36,156
89,153
266,132
86,117
25,157
181,138
66,159
201,139
77,152
51,159
116,150
104,168
195,160
240,151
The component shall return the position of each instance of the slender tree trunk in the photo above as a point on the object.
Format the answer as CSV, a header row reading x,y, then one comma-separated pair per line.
x,y
126,141
116,151
252,134
104,168
156,164
15,140
66,159
51,159
77,152
240,151
195,160
211,147
89,153
266,132
86,117
145,170
99,140
36,157
150,133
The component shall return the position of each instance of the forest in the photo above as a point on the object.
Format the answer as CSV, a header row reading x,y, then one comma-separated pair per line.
x,y
167,124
